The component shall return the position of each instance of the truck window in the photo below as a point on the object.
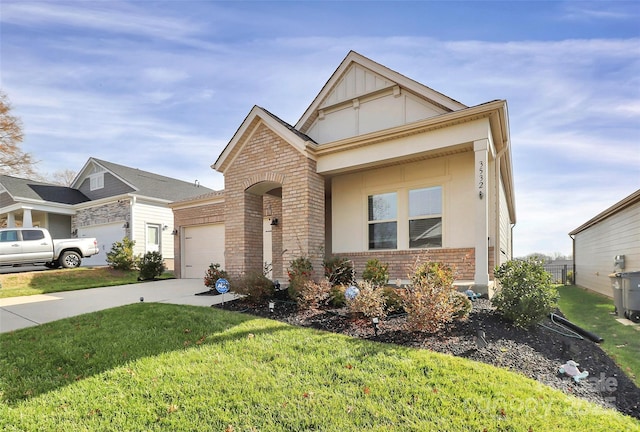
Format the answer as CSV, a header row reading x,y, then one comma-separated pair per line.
x,y
8,236
32,235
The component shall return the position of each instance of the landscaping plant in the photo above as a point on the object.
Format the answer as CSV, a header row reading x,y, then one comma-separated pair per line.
x,y
213,273
431,301
339,270
369,302
121,255
151,265
255,286
376,272
526,295
300,271
314,295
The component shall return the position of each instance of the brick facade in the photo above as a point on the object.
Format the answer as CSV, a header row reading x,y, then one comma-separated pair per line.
x,y
266,157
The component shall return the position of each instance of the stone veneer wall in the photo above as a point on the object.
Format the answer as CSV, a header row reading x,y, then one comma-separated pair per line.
x,y
108,213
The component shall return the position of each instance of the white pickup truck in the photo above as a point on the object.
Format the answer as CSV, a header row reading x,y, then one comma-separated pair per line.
x,y
35,246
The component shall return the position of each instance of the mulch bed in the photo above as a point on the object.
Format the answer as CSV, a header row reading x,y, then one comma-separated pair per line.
x,y
537,353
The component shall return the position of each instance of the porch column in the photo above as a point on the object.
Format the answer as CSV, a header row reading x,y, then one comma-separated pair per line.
x,y
481,277
11,220
27,222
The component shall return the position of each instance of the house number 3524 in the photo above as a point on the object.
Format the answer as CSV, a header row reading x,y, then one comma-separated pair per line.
x,y
481,175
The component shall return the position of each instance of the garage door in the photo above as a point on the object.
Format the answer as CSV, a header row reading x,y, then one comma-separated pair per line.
x,y
203,245
106,235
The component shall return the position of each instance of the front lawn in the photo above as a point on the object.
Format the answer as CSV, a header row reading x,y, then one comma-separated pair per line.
x,y
594,312
51,281
154,366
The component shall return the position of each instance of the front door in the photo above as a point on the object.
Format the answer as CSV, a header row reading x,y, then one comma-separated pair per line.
x,y
153,238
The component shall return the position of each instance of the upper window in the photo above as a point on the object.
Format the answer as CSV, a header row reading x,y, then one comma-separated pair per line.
x,y
383,223
425,217
96,181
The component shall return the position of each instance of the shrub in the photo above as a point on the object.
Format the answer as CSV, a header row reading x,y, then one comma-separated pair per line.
x,y
339,271
314,295
337,296
431,301
376,272
392,300
526,293
213,273
369,301
300,271
254,285
121,255
151,265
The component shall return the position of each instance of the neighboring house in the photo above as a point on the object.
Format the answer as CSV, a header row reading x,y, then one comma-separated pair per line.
x,y
106,201
613,233
379,166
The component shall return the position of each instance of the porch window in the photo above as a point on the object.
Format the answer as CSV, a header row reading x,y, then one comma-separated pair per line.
x,y
383,223
425,217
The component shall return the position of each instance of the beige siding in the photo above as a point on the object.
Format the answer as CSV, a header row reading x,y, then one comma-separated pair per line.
x,y
596,247
349,200
504,253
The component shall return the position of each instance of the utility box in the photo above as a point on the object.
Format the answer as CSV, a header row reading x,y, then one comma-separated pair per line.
x,y
631,295
618,262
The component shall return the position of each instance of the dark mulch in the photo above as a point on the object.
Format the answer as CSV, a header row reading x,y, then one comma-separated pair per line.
x,y
537,353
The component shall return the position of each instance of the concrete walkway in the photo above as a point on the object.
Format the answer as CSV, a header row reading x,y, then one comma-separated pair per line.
x,y
28,311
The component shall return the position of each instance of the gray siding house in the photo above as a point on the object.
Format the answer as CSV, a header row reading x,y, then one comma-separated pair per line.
x,y
107,201
613,233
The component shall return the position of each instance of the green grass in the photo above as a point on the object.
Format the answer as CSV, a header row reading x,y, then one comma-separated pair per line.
x,y
51,281
594,312
166,367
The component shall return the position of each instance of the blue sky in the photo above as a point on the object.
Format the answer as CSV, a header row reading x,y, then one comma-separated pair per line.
x,y
162,86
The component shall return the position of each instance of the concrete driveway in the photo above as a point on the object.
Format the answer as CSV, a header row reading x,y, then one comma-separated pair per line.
x,y
28,311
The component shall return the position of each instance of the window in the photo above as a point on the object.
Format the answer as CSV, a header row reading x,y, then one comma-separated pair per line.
x,y
383,224
8,236
96,181
425,217
32,235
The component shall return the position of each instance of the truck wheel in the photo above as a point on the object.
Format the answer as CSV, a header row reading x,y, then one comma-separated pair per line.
x,y
634,316
69,259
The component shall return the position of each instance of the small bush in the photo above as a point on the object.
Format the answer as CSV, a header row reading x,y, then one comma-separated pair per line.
x,y
376,272
254,285
314,295
369,301
213,273
392,300
431,301
121,255
151,265
526,295
300,272
339,271
338,299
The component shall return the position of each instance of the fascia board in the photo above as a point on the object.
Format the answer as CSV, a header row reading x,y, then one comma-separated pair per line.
x,y
197,202
620,205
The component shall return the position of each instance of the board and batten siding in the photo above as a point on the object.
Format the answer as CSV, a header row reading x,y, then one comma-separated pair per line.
x,y
596,246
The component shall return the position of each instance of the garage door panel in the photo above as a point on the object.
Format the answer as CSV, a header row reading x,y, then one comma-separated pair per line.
x,y
202,246
106,235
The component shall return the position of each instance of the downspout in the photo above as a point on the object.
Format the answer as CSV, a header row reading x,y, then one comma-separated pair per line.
x,y
573,256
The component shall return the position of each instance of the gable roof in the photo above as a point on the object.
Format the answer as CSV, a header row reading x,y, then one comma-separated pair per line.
x,y
21,189
257,116
146,183
375,77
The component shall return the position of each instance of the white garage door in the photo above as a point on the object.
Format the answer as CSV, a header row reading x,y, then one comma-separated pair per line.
x,y
106,235
203,245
